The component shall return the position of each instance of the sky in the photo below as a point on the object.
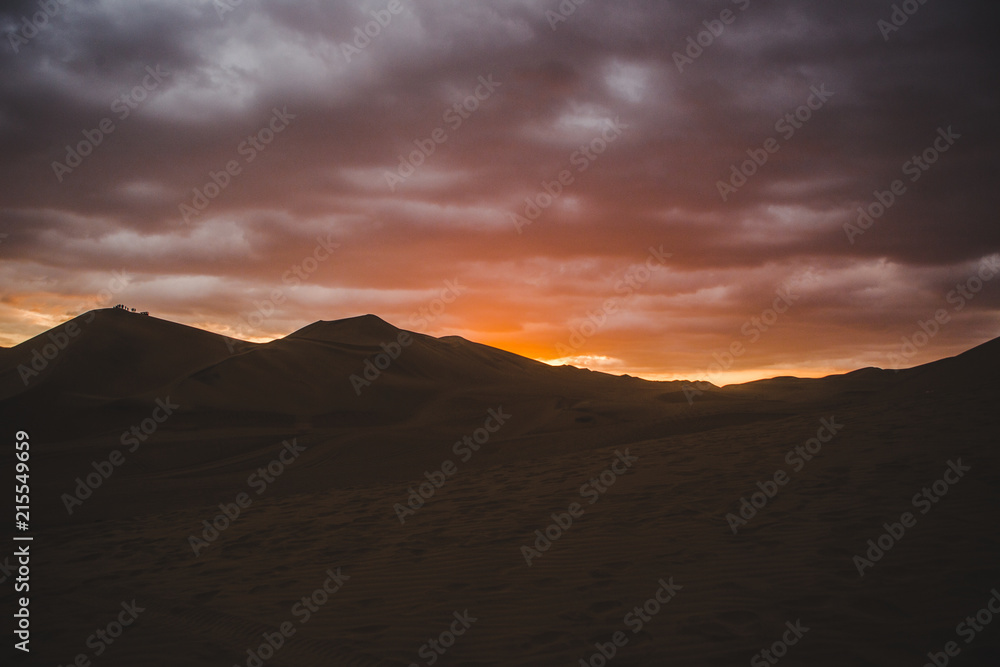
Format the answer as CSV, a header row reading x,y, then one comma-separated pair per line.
x,y
724,190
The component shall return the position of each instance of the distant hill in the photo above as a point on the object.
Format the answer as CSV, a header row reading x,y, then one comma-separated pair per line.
x,y
350,371
364,370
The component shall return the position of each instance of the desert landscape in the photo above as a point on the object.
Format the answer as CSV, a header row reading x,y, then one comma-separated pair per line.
x,y
397,525
489,333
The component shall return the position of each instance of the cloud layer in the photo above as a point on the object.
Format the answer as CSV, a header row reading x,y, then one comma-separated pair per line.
x,y
513,172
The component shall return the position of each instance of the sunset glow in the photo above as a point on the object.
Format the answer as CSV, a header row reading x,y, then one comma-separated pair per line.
x,y
570,189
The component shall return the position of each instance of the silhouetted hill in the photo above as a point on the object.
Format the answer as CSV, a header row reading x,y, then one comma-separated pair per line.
x,y
427,481
364,370
351,371
108,354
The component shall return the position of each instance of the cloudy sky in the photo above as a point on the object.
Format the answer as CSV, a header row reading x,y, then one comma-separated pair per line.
x,y
567,181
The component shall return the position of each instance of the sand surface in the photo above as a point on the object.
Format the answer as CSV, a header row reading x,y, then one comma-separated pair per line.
x,y
663,518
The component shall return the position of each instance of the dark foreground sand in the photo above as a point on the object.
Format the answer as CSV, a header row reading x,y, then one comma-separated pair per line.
x,y
457,564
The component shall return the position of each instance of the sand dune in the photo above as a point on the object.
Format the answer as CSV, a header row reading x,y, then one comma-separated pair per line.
x,y
336,504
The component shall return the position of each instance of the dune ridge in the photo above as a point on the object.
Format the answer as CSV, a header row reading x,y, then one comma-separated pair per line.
x,y
363,455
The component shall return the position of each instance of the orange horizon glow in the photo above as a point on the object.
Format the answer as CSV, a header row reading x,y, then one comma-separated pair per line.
x,y
599,354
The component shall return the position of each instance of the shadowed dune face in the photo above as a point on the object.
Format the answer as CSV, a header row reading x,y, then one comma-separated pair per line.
x,y
362,370
109,354
426,486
